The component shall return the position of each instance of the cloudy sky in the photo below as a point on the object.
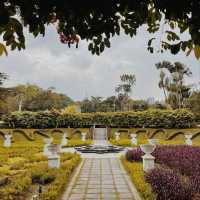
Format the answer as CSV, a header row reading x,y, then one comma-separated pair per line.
x,y
75,72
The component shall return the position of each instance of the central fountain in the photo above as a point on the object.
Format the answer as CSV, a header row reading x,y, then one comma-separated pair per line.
x,y
100,143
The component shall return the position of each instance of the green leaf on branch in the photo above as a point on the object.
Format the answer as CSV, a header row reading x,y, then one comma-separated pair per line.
x,y
197,51
3,49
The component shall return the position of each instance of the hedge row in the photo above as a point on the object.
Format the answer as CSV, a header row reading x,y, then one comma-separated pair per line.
x,y
148,119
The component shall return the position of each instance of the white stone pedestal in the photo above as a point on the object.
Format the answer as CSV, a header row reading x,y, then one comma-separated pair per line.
x,y
133,139
7,141
54,161
47,141
53,157
148,159
83,136
64,140
117,136
188,139
148,162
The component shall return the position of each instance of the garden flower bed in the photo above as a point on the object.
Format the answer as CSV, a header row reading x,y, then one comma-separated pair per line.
x,y
23,168
176,176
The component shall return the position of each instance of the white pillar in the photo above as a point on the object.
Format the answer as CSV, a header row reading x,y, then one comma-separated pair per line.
x,y
188,139
83,136
64,140
117,135
54,161
53,157
148,159
47,141
7,141
133,139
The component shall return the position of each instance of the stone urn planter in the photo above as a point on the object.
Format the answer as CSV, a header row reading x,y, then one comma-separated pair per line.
x,y
153,141
117,135
133,139
188,139
148,159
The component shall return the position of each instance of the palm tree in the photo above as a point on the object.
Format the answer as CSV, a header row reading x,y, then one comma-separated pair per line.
x,y
173,85
125,88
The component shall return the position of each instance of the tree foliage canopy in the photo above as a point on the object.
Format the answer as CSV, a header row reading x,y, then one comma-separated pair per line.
x,y
98,21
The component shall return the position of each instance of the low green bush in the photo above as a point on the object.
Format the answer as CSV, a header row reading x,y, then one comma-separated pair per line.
x,y
78,142
151,118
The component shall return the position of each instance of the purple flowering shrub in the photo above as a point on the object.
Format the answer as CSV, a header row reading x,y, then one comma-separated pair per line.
x,y
178,177
182,158
169,185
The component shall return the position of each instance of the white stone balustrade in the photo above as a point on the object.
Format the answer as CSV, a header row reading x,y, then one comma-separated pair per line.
x,y
83,136
133,139
47,141
148,159
117,136
7,141
188,139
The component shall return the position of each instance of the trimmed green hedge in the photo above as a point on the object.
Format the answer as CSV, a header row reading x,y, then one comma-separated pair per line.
x,y
148,119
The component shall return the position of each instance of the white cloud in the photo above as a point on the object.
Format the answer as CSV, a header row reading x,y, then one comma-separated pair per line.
x,y
77,73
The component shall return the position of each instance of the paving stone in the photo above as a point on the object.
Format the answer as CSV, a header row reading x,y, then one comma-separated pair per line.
x,y
89,195
78,191
109,195
107,186
108,190
100,179
73,198
77,196
125,195
94,190
94,186
123,190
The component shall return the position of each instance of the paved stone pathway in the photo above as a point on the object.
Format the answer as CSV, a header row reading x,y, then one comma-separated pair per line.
x,y
101,179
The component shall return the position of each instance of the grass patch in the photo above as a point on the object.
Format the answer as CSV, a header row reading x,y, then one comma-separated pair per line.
x,y
78,142
137,176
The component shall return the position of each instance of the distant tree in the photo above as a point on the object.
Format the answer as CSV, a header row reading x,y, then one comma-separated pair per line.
x,y
33,98
193,103
139,105
124,89
70,109
172,77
